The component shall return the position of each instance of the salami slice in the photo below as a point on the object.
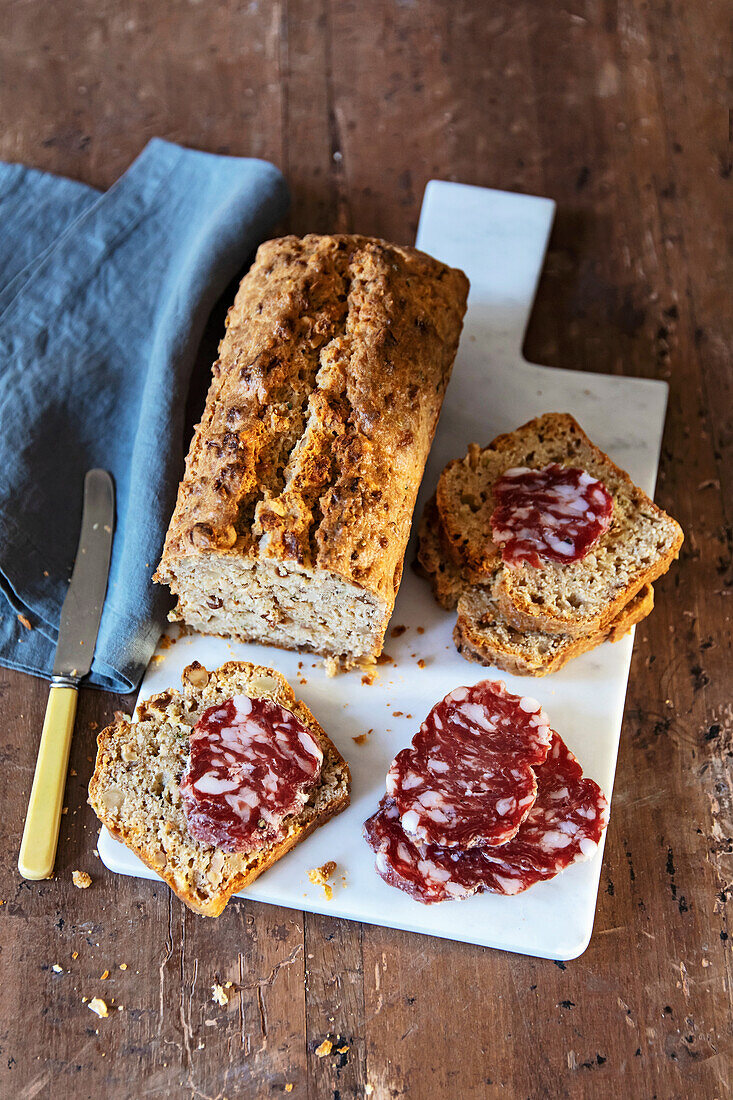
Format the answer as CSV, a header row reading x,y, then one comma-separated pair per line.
x,y
557,513
467,780
427,873
563,827
252,763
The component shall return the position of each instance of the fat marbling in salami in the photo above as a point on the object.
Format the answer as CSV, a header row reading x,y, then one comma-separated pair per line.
x,y
252,763
467,779
557,513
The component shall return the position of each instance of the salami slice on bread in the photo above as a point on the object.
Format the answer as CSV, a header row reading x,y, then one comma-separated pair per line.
x,y
527,619
136,786
576,597
483,635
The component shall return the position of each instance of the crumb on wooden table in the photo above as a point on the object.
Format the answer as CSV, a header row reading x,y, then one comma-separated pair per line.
x,y
81,879
343,1049
98,1005
325,1048
219,994
123,966
104,976
289,1087
319,876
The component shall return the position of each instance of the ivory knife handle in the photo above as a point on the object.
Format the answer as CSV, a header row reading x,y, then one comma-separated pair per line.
x,y
41,832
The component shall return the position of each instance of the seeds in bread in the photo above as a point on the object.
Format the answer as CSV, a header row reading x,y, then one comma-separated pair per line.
x,y
482,635
575,598
135,786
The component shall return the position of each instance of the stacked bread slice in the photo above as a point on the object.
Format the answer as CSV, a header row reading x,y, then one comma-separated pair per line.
x,y
532,619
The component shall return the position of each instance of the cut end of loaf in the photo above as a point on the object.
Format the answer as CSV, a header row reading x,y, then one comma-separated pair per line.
x,y
281,604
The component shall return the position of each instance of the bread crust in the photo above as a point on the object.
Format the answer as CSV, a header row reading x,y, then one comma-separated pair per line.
x,y
321,411
173,705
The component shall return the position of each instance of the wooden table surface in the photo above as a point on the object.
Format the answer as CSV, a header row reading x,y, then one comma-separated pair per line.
x,y
617,111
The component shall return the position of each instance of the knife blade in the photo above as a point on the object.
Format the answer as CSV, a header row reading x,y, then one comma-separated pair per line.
x,y
82,608
80,617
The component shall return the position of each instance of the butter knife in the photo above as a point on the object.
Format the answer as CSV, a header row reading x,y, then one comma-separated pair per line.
x,y
80,616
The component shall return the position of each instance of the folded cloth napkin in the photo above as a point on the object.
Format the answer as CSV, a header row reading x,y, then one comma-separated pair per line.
x,y
103,299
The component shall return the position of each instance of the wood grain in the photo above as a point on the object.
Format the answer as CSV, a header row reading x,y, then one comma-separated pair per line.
x,y
617,111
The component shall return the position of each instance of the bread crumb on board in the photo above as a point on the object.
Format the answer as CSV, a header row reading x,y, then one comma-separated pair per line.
x,y
219,994
81,879
24,621
319,876
325,1048
98,1005
289,1087
397,631
362,737
331,666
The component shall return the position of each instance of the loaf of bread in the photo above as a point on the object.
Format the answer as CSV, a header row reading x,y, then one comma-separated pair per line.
x,y
135,789
294,512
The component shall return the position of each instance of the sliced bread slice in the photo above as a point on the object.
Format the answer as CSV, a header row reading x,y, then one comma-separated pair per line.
x,y
576,598
135,786
435,561
482,635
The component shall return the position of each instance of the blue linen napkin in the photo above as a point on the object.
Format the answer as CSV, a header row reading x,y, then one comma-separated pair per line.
x,y
103,300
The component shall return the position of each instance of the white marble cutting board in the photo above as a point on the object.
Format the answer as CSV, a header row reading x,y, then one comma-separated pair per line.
x,y
499,240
